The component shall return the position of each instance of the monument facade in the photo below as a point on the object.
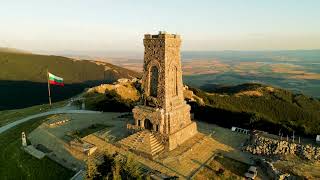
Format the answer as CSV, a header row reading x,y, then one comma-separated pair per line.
x,y
163,110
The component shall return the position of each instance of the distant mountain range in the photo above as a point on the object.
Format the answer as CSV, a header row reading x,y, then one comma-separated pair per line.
x,y
23,79
13,50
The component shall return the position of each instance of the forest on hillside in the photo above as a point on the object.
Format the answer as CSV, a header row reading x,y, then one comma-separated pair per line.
x,y
272,110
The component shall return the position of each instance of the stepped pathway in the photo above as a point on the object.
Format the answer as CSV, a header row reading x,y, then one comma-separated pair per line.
x,y
143,141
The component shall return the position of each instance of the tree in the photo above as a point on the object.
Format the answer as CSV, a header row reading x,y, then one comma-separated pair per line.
x,y
92,170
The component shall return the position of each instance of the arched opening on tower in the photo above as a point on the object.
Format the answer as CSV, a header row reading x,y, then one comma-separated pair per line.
x,y
154,81
147,124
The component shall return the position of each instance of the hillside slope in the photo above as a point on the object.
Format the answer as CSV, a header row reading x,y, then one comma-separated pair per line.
x,y
13,50
23,80
251,106
260,106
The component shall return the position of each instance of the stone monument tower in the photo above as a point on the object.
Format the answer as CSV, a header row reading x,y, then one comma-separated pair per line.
x,y
163,111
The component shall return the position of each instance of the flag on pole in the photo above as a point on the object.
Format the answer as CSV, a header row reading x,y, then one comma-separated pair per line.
x,y
55,80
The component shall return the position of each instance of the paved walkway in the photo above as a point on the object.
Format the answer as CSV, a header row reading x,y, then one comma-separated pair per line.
x,y
56,111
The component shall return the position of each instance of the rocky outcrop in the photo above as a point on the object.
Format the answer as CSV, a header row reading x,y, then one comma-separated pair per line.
x,y
270,147
191,97
125,88
129,89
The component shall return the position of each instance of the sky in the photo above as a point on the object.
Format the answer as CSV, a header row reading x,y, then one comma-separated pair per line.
x,y
104,25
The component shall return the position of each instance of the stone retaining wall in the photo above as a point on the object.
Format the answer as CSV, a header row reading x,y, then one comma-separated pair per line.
x,y
270,147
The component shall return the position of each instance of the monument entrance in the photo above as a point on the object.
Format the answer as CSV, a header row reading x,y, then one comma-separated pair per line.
x,y
147,124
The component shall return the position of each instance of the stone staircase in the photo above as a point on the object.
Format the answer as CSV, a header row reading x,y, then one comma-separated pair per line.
x,y
156,146
143,141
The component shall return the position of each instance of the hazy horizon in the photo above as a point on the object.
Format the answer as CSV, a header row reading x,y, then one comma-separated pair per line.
x,y
139,54
56,26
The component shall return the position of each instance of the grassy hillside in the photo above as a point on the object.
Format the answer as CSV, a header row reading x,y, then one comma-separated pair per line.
x,y
17,164
121,97
23,80
252,106
261,107
8,116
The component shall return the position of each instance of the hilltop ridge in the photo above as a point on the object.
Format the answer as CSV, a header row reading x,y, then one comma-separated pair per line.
x,y
23,79
13,50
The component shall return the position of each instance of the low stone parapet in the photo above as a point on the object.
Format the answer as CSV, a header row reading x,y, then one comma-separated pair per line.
x,y
134,127
34,152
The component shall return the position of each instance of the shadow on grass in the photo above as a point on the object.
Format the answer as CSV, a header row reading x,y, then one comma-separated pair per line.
x,y
21,94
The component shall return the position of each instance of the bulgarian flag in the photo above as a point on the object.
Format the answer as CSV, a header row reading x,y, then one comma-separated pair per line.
x,y
55,80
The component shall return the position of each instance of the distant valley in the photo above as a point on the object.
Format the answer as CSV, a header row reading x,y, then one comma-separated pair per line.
x,y
296,70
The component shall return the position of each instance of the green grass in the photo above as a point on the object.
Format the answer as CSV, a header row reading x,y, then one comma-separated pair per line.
x,y
8,116
17,164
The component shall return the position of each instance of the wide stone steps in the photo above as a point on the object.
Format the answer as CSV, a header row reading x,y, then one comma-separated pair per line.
x,y
156,146
133,140
143,141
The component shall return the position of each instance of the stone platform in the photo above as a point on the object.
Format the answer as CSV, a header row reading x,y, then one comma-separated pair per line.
x,y
184,161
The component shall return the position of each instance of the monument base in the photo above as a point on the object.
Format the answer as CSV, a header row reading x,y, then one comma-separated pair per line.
x,y
179,137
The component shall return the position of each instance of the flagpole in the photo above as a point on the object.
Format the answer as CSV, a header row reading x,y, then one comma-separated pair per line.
x,y
49,93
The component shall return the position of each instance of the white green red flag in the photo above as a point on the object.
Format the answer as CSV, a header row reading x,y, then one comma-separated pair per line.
x,y
55,80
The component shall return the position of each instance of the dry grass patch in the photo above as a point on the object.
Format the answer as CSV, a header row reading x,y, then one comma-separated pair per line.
x,y
299,167
124,90
223,168
270,89
249,93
